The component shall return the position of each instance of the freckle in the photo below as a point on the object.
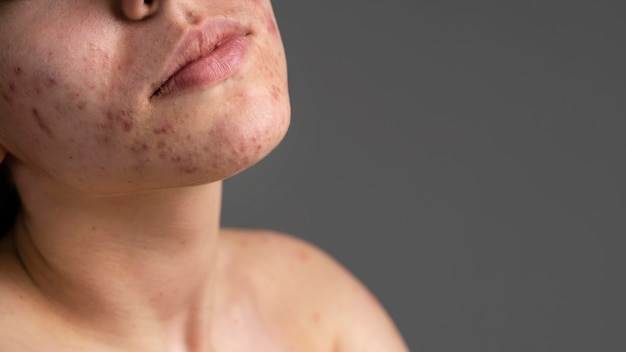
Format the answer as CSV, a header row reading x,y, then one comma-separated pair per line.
x,y
6,98
81,105
316,317
145,146
188,137
52,81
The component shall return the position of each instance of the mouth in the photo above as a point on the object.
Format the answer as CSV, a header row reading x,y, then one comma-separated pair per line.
x,y
204,56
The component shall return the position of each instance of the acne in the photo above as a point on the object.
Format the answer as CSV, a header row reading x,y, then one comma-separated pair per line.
x,y
270,24
121,119
302,256
276,93
316,317
166,128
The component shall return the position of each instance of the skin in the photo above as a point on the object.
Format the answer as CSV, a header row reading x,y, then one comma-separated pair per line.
x,y
118,245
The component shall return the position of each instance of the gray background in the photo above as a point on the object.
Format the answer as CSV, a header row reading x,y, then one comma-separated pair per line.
x,y
464,159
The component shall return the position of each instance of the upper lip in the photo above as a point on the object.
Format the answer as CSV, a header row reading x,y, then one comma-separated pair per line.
x,y
197,43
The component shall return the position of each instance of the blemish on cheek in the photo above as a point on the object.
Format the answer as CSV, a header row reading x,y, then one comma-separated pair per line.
x,y
42,125
17,70
12,87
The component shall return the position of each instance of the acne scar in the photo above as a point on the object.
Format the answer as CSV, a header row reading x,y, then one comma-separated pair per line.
x,y
6,98
42,125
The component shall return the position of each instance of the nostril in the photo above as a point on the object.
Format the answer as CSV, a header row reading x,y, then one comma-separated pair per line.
x,y
147,2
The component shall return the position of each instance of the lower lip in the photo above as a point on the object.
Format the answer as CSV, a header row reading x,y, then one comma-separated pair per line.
x,y
208,70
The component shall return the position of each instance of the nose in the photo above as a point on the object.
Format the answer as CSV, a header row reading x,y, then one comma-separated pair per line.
x,y
138,10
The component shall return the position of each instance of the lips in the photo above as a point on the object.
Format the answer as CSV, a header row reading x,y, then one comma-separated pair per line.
x,y
204,57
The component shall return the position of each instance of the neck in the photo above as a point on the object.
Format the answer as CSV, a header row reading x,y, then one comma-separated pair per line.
x,y
126,266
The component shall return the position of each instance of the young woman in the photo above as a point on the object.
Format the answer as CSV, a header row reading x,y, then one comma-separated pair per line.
x,y
118,121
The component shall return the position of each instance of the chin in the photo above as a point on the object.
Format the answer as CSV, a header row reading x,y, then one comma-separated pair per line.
x,y
223,148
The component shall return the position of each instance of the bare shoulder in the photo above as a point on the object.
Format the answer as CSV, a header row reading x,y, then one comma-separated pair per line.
x,y
330,298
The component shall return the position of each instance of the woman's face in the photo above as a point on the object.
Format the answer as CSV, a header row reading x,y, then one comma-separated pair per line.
x,y
107,96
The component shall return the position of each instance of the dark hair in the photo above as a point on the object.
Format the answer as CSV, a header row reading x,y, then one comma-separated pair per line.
x,y
9,201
